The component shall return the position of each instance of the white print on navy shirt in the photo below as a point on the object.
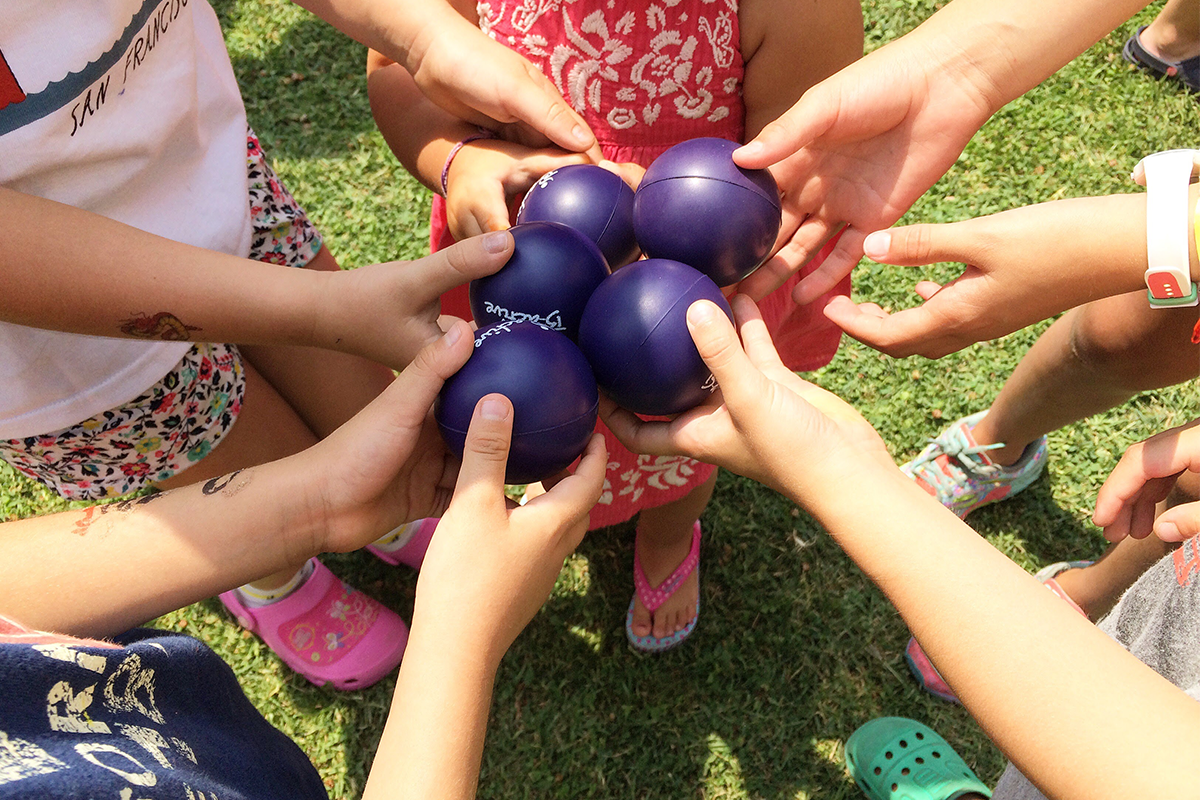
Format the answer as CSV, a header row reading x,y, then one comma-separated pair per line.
x,y
553,320
128,694
86,88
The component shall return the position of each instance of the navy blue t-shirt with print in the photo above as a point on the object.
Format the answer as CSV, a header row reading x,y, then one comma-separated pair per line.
x,y
159,716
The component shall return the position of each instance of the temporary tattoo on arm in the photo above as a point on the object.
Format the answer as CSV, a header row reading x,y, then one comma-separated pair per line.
x,y
225,484
93,513
164,325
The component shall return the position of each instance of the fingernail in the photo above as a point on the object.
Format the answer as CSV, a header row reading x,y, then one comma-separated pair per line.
x,y
493,409
749,150
495,242
1167,531
451,336
580,135
877,244
699,313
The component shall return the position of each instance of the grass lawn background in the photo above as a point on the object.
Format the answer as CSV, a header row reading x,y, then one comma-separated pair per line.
x,y
795,647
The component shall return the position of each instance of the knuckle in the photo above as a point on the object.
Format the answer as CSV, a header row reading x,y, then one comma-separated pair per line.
x,y
491,445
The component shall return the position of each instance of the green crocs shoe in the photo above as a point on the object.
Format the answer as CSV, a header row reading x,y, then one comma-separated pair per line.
x,y
895,758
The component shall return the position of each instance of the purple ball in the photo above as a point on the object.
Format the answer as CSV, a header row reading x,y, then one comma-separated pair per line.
x,y
635,335
550,385
591,200
696,206
548,279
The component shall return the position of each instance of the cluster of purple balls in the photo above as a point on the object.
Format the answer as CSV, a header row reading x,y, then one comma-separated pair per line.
x,y
701,221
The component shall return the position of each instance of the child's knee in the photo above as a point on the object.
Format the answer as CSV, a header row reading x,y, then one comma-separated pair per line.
x,y
1134,348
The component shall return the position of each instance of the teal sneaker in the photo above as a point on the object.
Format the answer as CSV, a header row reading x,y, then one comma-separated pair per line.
x,y
957,470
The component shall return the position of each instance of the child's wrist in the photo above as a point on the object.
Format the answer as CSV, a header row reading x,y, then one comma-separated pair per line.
x,y
478,135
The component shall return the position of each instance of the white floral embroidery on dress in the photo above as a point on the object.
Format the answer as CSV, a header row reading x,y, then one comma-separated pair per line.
x,y
526,15
660,472
487,19
588,61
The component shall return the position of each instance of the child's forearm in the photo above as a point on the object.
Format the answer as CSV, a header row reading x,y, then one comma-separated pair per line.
x,y
419,132
1004,49
1050,689
432,744
66,269
102,570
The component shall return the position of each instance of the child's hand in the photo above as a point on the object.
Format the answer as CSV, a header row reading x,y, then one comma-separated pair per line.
x,y
491,567
388,312
1143,478
1022,266
493,85
487,174
765,422
387,465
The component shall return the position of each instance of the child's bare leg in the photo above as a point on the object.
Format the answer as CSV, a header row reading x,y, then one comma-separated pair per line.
x,y
1098,588
1174,35
664,539
326,388
1095,357
266,429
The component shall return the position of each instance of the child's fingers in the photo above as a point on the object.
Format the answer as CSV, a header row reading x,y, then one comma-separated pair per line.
x,y
569,500
534,166
485,455
1163,455
838,264
898,335
718,343
1178,523
635,434
406,402
465,261
756,339
917,245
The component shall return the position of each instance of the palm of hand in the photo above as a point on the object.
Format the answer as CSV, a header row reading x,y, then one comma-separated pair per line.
x,y
394,477
881,134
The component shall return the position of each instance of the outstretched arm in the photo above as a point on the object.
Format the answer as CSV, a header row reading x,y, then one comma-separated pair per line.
x,y
1013,653
860,147
104,569
385,312
488,570
1020,267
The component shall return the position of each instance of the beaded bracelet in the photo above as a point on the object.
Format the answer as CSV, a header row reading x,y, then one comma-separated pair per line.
x,y
481,133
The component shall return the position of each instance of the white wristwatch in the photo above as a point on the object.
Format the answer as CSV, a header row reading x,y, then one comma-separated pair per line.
x,y
1168,276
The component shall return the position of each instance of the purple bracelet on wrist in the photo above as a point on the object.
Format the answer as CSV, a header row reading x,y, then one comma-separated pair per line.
x,y
481,133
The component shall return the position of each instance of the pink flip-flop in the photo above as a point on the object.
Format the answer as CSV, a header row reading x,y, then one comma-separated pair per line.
x,y
327,631
653,597
413,552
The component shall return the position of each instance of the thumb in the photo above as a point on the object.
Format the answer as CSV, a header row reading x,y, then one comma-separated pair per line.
x,y
1178,523
485,455
465,261
914,245
739,380
536,102
811,116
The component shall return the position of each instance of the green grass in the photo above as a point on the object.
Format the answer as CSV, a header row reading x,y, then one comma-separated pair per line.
x,y
795,647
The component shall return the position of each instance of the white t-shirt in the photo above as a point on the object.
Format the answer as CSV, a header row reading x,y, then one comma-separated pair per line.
x,y
129,109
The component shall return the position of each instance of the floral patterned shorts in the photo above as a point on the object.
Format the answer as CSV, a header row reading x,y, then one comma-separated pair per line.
x,y
177,421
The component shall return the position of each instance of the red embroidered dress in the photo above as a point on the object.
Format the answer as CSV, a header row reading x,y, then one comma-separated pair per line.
x,y
646,76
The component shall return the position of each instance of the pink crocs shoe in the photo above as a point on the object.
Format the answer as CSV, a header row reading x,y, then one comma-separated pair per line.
x,y
413,552
327,631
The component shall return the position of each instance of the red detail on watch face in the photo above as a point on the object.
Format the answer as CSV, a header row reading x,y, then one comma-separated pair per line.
x,y
1163,286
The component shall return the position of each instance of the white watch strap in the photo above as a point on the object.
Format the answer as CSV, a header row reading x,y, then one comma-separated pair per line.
x,y
1168,277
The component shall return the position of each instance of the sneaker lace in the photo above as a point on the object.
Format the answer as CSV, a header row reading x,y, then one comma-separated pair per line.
x,y
962,460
